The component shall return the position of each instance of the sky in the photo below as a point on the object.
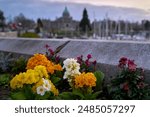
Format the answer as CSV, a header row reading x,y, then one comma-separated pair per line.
x,y
51,9
142,4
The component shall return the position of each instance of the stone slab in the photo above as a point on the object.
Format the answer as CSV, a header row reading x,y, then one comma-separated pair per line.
x,y
109,52
106,52
28,46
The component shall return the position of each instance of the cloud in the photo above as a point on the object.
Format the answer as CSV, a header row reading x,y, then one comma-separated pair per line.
x,y
142,4
50,9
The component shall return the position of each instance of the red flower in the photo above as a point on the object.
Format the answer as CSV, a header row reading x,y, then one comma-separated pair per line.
x,y
79,59
87,63
131,65
57,58
122,62
46,46
94,62
125,86
89,56
51,51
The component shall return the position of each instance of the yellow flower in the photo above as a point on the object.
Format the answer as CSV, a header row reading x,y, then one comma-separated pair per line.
x,y
40,59
53,88
29,77
85,80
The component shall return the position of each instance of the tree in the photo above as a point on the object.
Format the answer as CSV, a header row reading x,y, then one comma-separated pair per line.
x,y
39,26
24,22
85,22
2,20
146,25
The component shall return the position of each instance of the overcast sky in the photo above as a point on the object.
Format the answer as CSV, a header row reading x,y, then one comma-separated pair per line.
x,y
136,9
142,4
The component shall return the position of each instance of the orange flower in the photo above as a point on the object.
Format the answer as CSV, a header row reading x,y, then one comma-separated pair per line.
x,y
85,79
40,59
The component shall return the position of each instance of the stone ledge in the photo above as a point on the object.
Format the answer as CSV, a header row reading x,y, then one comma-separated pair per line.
x,y
106,52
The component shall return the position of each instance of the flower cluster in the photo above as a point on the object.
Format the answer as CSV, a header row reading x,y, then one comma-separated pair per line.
x,y
29,77
86,64
72,69
40,59
75,77
129,83
124,62
85,80
37,78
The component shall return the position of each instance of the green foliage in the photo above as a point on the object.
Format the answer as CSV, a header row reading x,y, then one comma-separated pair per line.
x,y
77,94
65,96
29,35
18,96
55,80
18,66
26,93
99,80
4,79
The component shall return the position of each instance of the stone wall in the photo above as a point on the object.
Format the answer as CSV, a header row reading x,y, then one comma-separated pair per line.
x,y
106,52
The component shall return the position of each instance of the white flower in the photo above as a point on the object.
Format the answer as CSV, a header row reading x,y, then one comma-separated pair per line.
x,y
41,90
66,75
46,85
71,64
72,68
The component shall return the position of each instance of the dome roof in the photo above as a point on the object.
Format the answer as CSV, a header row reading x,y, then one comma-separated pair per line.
x,y
66,12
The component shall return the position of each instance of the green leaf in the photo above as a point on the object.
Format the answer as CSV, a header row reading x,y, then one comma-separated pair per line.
x,y
27,89
78,93
55,80
18,96
95,95
66,96
4,79
99,76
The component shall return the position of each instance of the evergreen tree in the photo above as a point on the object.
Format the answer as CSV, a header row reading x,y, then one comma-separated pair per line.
x,y
2,20
39,26
85,22
147,25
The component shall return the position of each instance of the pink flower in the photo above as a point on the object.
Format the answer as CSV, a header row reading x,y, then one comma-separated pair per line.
x,y
79,59
89,56
122,62
94,62
51,51
57,58
46,46
131,65
87,63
